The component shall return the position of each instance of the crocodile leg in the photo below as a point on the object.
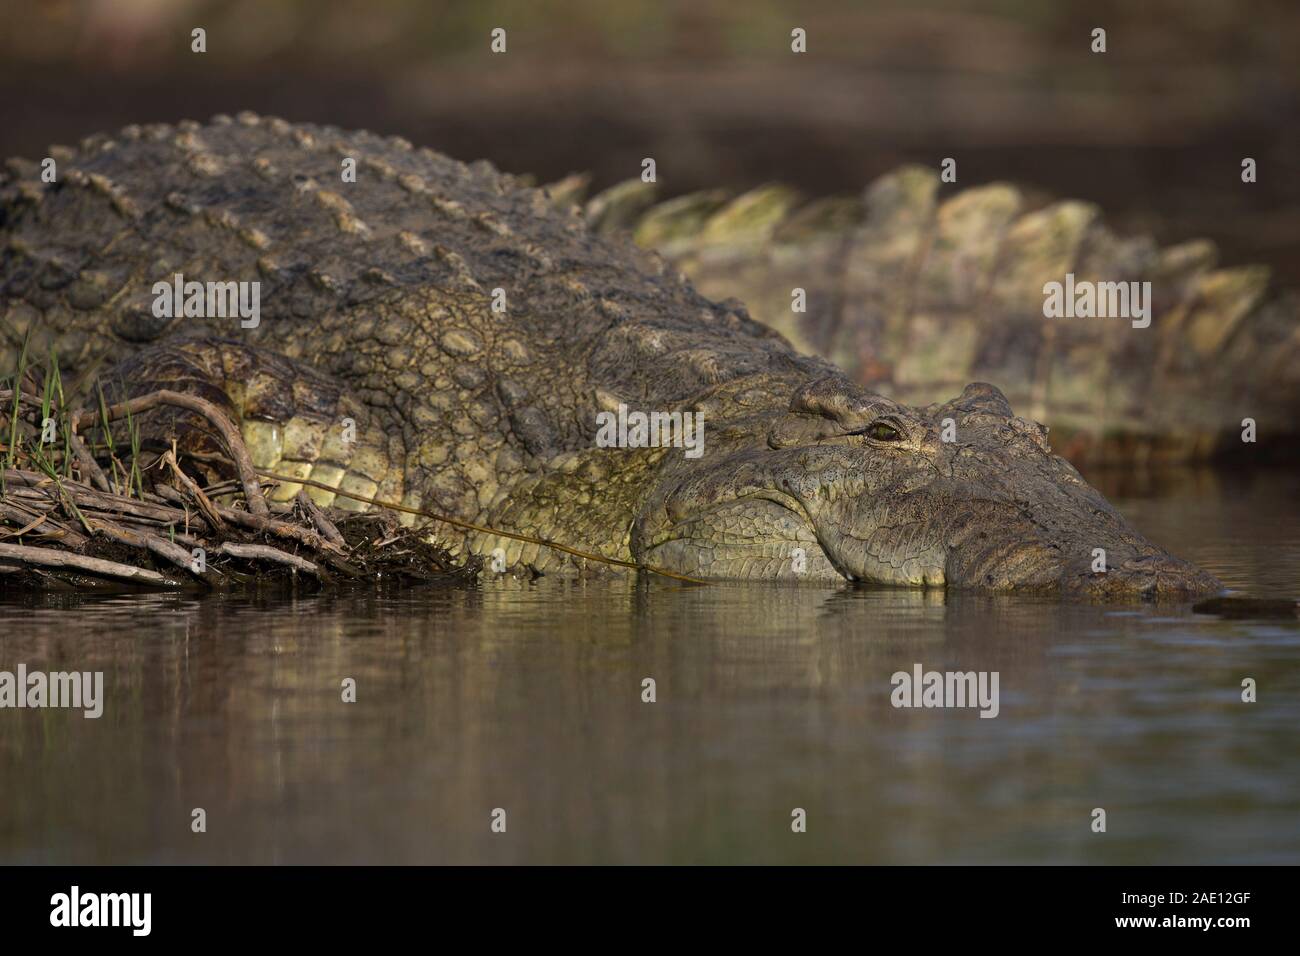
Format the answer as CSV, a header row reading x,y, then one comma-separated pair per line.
x,y
294,420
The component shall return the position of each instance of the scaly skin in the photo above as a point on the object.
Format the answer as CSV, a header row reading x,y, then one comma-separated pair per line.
x,y
377,307
915,290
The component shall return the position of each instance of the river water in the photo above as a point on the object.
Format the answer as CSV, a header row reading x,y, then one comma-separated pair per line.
x,y
528,699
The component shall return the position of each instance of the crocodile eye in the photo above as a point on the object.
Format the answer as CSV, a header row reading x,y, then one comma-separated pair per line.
x,y
883,431
880,430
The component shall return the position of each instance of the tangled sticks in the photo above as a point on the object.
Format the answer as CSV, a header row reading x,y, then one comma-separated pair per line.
x,y
76,514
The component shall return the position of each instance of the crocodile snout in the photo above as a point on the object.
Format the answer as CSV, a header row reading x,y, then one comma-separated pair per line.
x,y
1159,576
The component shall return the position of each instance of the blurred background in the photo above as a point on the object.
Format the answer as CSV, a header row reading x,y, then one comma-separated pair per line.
x,y
528,697
1154,130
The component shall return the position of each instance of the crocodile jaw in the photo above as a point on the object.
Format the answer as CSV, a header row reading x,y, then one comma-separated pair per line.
x,y
818,499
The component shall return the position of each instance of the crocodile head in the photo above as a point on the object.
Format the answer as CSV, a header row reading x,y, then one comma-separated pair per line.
x,y
844,483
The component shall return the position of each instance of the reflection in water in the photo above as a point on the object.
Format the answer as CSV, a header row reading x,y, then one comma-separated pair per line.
x,y
528,697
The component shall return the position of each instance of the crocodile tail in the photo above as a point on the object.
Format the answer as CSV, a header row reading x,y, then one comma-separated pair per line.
x,y
918,291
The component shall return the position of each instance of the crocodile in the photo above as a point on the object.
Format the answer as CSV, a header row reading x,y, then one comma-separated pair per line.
x,y
915,287
439,335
